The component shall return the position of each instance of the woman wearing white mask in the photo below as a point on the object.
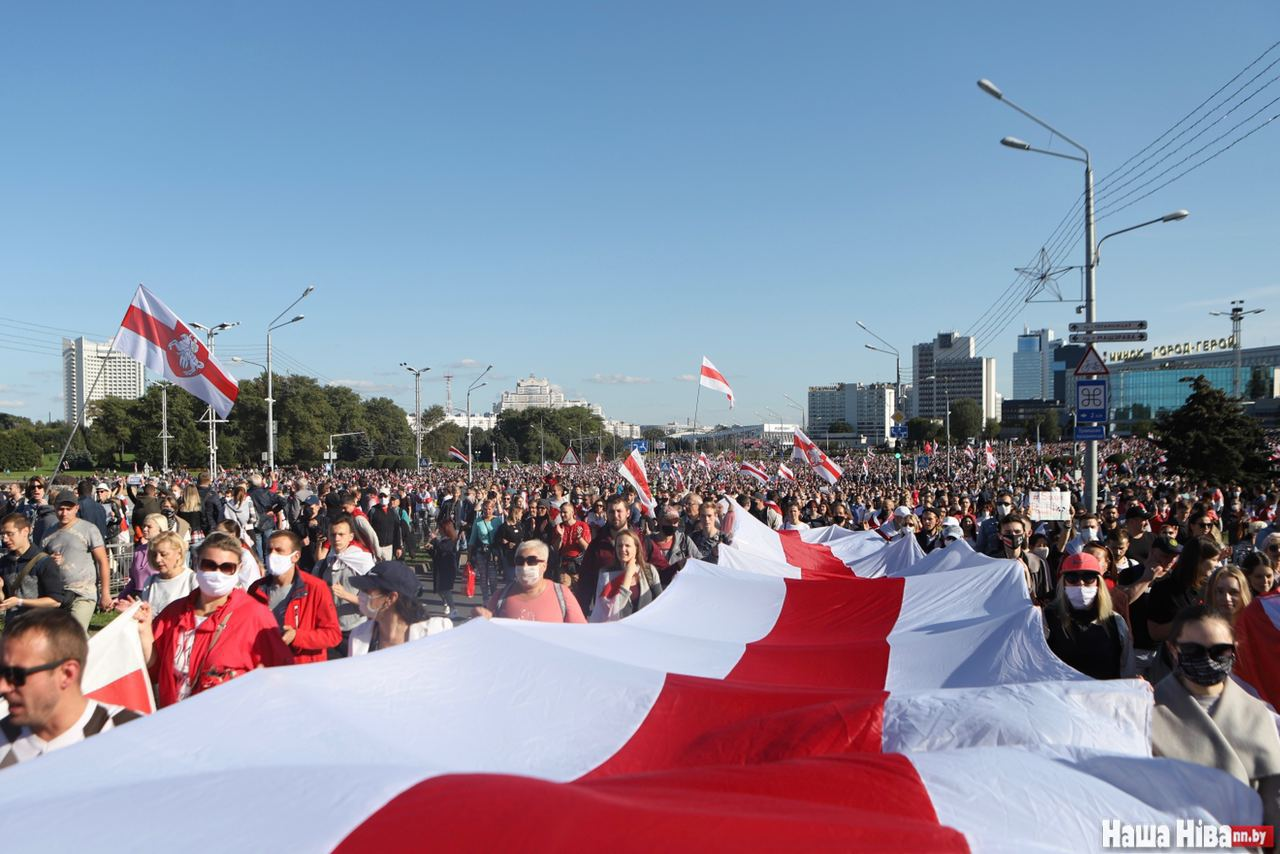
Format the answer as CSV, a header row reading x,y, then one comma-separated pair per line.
x,y
212,635
388,596
532,596
1080,625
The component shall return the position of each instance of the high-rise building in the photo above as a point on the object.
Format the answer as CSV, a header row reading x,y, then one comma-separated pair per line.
x,y
81,362
537,393
866,408
948,367
1033,365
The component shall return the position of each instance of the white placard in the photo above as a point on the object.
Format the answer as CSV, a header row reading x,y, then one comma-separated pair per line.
x,y
1049,506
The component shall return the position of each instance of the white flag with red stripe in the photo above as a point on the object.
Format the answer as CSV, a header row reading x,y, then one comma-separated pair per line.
x,y
116,672
703,461
632,469
153,335
713,379
679,475
752,470
785,473
458,455
821,464
991,457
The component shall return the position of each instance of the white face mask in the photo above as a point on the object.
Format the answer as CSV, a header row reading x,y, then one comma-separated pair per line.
x,y
216,584
1080,596
1041,553
527,576
279,564
1088,534
365,608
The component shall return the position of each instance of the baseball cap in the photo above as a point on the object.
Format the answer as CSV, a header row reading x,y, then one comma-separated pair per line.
x,y
102,486
1166,545
1136,511
393,576
1080,562
951,529
903,510
384,491
66,496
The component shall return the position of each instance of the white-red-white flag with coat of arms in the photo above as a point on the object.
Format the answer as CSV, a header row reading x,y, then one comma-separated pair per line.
x,y
156,337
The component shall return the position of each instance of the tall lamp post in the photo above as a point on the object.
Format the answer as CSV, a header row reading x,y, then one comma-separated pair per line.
x,y
271,403
1090,249
474,385
417,410
897,362
210,333
803,421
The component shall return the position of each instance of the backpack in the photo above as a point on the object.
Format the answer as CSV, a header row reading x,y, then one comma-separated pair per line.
x,y
506,591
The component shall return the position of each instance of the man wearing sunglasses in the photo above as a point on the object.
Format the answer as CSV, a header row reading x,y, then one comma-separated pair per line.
x,y
42,658
532,596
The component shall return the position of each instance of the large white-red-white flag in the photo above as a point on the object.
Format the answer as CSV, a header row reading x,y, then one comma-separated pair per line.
x,y
153,335
785,473
703,461
713,379
115,671
458,455
752,470
632,469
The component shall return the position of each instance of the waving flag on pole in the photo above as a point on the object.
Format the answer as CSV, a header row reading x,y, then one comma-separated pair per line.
x,y
753,470
632,469
991,458
458,455
821,464
679,473
703,461
153,335
714,380
785,473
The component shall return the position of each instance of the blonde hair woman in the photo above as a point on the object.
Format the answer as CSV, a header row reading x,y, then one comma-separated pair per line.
x,y
1228,592
630,585
1082,628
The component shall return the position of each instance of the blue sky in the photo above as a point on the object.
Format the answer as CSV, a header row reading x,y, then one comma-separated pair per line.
x,y
600,193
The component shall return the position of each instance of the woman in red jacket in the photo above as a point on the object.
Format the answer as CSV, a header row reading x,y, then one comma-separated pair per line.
x,y
212,635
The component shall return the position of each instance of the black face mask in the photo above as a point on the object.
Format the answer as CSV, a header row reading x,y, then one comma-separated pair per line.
x,y
1195,663
1013,541
668,530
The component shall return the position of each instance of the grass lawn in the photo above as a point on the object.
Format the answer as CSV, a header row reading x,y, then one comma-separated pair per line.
x,y
100,619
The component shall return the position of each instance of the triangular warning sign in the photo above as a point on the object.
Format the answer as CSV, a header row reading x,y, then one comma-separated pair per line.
x,y
569,458
1091,363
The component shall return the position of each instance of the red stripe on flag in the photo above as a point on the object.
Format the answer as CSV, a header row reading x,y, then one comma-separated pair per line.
x,y
130,691
814,560
855,803
145,325
830,634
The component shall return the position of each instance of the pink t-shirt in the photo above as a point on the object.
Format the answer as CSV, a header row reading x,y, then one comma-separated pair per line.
x,y
543,608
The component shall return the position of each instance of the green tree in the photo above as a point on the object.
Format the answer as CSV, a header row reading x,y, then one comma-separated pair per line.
x,y
18,449
1258,385
966,419
920,430
991,429
188,445
114,429
1211,438
387,425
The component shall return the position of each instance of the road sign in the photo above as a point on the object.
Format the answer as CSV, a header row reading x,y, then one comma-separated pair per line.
x,y
1090,432
1091,363
898,417
1108,326
569,458
898,431
1091,400
423,462
641,445
922,461
1106,337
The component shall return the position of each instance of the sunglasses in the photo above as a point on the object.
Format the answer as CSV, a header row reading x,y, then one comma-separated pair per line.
x,y
227,568
1079,578
529,560
1218,652
17,676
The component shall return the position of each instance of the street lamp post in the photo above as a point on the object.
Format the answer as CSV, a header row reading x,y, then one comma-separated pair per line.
x,y
897,363
271,410
803,421
210,333
417,411
1090,249
475,385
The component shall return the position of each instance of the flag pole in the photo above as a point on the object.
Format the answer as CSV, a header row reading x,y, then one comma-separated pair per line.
x,y
85,403
697,400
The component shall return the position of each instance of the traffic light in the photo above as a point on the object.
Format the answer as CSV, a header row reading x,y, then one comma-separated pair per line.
x,y
897,455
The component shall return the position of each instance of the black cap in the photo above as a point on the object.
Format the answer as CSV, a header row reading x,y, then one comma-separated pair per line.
x,y
66,496
389,575
1136,511
1167,546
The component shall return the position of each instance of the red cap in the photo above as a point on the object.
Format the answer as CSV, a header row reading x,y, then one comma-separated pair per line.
x,y
1082,562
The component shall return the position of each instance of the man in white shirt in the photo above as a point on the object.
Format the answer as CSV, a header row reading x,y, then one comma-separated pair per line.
x,y
42,657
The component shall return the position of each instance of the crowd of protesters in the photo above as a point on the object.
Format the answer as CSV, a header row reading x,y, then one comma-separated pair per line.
x,y
256,570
